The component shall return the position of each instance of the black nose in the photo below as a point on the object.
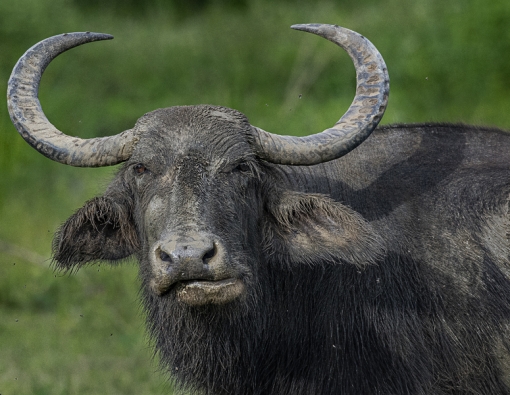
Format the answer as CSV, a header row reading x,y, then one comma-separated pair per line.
x,y
181,258
191,251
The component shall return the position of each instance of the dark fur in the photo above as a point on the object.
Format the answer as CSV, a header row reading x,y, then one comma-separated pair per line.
x,y
383,272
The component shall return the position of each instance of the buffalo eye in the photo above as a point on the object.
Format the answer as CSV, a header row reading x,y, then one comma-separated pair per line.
x,y
139,169
242,168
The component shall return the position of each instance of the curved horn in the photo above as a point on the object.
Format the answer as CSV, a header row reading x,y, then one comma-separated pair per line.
x,y
355,125
27,115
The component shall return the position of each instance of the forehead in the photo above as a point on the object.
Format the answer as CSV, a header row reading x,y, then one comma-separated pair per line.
x,y
208,130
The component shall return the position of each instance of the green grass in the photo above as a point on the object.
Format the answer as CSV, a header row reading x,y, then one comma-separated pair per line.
x,y
73,335
83,334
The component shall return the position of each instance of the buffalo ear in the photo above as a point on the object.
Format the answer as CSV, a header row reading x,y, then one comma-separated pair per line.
x,y
103,229
311,228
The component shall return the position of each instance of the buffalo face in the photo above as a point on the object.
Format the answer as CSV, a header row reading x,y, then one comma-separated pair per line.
x,y
194,198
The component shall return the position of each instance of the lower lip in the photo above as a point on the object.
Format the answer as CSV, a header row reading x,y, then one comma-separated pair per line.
x,y
199,292
212,285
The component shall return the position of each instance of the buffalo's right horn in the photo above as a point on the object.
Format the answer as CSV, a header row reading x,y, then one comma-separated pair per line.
x,y
27,115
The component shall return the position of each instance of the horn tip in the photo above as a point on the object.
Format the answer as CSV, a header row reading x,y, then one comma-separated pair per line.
x,y
100,36
321,29
307,27
90,36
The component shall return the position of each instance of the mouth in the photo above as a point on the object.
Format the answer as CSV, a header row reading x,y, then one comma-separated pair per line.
x,y
202,292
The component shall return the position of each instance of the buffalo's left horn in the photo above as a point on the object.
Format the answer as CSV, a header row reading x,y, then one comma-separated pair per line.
x,y
355,126
27,115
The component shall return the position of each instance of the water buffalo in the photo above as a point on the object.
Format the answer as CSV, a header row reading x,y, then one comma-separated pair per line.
x,y
318,265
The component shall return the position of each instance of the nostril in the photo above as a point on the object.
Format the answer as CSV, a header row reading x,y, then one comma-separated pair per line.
x,y
165,257
209,255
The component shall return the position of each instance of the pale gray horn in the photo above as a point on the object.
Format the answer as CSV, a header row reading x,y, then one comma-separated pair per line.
x,y
355,125
28,117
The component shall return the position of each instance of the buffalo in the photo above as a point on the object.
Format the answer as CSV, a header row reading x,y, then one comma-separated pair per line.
x,y
359,260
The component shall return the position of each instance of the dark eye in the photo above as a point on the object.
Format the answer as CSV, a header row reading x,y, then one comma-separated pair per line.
x,y
139,168
242,167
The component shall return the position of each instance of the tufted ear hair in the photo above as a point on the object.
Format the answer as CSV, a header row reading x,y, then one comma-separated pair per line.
x,y
310,228
103,229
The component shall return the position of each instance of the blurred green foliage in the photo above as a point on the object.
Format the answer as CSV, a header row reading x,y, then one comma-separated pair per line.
x,y
83,334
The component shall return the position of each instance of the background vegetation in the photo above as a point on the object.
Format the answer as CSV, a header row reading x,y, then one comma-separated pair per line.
x,y
83,334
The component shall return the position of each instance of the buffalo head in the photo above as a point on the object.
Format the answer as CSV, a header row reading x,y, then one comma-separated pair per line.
x,y
201,199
